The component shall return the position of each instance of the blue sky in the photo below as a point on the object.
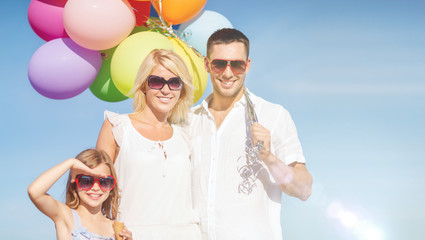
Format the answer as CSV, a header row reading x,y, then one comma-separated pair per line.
x,y
351,73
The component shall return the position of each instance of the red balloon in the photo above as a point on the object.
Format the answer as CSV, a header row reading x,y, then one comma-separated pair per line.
x,y
141,10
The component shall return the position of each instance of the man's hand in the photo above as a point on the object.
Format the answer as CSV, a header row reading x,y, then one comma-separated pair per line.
x,y
261,138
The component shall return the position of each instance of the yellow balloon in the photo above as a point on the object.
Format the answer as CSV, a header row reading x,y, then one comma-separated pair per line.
x,y
195,64
130,54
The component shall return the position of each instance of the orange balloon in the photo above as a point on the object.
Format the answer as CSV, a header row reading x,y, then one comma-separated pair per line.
x,y
177,11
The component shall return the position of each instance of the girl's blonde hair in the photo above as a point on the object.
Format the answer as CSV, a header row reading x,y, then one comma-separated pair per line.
x,y
93,158
173,63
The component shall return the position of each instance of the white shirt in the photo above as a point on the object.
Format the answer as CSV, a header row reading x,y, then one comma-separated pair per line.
x,y
154,178
217,157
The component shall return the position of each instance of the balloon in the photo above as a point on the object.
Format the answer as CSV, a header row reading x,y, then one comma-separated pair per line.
x,y
141,10
62,69
45,18
130,54
139,29
98,24
195,64
103,87
178,11
197,31
155,15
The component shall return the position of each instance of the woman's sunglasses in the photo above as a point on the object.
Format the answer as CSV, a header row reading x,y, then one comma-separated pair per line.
x,y
85,182
219,65
157,83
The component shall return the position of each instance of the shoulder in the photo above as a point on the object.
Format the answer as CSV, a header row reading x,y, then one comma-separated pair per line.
x,y
181,129
114,118
270,108
196,110
181,135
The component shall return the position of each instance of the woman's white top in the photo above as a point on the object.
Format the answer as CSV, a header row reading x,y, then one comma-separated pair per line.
x,y
154,178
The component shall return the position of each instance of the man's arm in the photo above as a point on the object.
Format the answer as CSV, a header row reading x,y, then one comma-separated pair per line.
x,y
293,179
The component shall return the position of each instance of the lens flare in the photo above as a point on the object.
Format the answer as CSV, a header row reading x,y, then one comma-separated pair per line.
x,y
349,219
363,228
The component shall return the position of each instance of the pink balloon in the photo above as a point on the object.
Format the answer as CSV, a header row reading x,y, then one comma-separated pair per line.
x,y
46,18
62,69
98,24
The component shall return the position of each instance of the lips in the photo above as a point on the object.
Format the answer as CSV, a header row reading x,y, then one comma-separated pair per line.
x,y
164,99
227,84
94,196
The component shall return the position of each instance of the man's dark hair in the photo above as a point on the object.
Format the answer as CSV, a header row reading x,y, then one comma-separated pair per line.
x,y
226,36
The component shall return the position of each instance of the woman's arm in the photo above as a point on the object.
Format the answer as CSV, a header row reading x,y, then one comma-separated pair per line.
x,y
106,140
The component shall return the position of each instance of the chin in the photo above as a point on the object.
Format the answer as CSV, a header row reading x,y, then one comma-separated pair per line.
x,y
165,108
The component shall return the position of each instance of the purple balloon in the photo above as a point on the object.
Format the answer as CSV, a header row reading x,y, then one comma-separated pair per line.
x,y
62,69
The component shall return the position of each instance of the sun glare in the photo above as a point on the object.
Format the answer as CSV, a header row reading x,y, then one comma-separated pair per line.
x,y
363,228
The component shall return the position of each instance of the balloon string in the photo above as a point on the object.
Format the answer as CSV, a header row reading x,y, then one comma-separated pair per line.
x,y
169,29
165,26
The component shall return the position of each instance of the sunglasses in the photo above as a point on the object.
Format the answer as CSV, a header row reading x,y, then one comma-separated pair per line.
x,y
85,182
219,65
157,83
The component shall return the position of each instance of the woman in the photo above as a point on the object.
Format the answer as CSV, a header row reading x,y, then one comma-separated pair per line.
x,y
151,154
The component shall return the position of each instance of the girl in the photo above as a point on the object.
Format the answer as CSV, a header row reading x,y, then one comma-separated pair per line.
x,y
91,197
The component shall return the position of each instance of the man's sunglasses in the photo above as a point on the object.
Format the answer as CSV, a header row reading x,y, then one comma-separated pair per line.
x,y
157,83
219,65
85,182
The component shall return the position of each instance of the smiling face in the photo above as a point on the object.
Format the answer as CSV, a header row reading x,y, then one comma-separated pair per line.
x,y
228,84
161,101
94,197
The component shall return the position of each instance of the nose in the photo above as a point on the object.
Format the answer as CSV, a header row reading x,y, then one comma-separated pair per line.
x,y
96,186
228,73
165,89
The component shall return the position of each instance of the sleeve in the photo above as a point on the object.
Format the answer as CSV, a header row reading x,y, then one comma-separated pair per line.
x,y
286,144
117,122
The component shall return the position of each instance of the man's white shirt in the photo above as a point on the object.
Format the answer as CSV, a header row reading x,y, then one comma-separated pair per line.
x,y
219,156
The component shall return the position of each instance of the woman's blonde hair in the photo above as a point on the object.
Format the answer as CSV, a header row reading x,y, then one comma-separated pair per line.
x,y
93,158
173,63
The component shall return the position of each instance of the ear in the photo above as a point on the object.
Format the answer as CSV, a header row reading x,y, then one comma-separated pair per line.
x,y
143,88
248,65
207,64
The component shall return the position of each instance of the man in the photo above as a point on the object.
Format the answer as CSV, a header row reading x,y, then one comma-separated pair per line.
x,y
241,167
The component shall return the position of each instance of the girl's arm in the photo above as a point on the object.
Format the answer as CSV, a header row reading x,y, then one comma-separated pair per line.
x,y
37,190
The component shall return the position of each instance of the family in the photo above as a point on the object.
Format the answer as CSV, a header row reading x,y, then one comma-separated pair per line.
x,y
215,171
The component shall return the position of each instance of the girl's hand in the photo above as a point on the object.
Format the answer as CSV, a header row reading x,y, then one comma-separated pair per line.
x,y
78,168
126,234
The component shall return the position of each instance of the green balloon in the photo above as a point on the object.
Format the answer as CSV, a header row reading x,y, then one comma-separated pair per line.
x,y
103,87
139,29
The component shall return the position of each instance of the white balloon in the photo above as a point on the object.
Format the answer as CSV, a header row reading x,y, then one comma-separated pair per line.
x,y
196,31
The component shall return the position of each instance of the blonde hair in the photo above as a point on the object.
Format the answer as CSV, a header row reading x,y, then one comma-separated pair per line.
x,y
173,63
93,158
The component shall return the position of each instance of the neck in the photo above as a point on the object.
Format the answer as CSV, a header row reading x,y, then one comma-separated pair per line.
x,y
89,212
223,103
153,118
